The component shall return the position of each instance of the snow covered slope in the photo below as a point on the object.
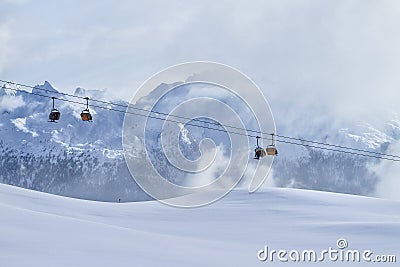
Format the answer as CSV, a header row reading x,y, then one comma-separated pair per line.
x,y
39,229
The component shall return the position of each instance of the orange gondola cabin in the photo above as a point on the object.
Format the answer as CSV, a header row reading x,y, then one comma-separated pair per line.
x,y
85,114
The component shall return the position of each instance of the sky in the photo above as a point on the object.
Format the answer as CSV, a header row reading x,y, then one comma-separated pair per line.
x,y
341,57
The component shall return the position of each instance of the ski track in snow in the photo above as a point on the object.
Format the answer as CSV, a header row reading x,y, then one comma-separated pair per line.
x,y
39,229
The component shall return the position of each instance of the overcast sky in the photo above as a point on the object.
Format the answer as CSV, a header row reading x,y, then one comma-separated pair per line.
x,y
339,56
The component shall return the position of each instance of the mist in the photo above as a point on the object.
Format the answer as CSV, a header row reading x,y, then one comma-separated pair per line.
x,y
388,173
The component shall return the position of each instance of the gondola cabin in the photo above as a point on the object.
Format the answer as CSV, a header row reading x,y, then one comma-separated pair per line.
x,y
86,116
259,153
54,115
271,151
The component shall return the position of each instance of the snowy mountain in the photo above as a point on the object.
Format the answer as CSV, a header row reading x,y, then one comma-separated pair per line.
x,y
70,157
309,168
85,160
39,229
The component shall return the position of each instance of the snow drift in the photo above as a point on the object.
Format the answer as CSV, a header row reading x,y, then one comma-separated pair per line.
x,y
39,229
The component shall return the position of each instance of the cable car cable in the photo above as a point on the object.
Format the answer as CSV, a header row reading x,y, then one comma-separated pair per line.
x,y
203,121
338,146
337,150
382,155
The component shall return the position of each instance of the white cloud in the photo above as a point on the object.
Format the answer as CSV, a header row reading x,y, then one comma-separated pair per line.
x,y
388,174
345,54
10,102
215,169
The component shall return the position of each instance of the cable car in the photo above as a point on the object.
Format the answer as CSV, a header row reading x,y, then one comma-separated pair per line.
x,y
259,152
85,114
271,149
54,113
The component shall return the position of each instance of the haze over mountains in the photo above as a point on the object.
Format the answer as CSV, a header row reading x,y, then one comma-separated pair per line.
x,y
85,160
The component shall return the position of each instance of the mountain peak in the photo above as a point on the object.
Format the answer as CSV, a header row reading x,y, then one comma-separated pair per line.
x,y
91,93
80,91
44,89
7,89
47,84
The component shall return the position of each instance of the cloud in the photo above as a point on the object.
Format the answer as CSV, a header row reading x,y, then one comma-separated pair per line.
x,y
341,53
388,173
10,102
318,63
215,169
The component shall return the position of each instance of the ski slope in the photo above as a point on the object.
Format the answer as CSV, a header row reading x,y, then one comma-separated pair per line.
x,y
39,229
